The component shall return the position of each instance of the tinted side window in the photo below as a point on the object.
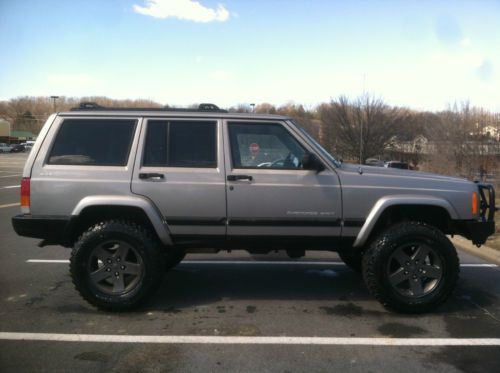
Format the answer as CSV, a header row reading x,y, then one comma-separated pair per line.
x,y
180,144
266,145
155,152
100,142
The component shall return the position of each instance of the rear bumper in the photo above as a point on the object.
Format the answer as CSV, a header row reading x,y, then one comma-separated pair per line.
x,y
52,229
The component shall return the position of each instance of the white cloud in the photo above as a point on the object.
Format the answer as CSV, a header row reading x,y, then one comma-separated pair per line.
x,y
188,10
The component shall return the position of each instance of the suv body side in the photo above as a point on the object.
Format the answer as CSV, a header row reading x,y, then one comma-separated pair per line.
x,y
200,205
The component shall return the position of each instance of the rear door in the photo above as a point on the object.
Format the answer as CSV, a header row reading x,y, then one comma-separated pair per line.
x,y
269,194
180,167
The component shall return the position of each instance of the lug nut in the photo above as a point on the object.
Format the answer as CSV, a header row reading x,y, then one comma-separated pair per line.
x,y
122,267
118,259
406,272
108,269
108,260
117,274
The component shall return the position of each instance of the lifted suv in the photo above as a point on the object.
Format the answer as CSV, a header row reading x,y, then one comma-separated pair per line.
x,y
133,190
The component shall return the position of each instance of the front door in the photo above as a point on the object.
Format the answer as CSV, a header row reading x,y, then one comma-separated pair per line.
x,y
269,194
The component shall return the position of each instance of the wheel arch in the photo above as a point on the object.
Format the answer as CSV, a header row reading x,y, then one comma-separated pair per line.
x,y
94,209
435,211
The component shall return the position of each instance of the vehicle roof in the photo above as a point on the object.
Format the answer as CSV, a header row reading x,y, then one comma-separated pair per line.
x,y
172,114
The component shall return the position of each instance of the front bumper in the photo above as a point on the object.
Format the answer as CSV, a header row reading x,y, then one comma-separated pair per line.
x,y
476,231
479,230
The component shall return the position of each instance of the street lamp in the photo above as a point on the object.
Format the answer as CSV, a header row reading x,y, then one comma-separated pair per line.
x,y
253,107
54,98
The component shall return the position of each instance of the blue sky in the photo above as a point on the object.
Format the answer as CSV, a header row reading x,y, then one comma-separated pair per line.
x,y
421,54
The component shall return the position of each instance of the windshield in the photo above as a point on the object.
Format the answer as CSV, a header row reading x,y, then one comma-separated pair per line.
x,y
323,151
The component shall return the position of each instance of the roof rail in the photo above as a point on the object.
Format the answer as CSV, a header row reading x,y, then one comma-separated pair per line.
x,y
205,107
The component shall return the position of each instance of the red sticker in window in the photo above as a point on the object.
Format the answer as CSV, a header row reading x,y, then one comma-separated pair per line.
x,y
254,148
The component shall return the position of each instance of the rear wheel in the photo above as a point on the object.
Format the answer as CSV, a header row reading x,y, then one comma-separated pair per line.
x,y
115,265
411,267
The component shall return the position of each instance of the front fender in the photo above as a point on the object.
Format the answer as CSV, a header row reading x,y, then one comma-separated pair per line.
x,y
383,203
144,204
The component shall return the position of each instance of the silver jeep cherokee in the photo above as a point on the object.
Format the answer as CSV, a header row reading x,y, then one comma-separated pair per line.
x,y
133,190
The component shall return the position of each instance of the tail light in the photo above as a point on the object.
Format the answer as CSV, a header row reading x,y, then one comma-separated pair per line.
x,y
25,194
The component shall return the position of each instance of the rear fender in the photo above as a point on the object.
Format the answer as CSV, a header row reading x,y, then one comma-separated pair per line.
x,y
144,204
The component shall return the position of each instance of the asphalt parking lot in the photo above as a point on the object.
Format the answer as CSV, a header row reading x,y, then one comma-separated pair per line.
x,y
233,312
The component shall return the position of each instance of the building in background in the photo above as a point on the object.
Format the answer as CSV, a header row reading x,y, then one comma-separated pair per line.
x,y
4,131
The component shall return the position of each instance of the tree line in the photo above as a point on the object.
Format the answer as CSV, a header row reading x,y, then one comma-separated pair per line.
x,y
461,140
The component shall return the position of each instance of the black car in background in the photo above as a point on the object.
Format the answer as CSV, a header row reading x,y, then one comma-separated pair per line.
x,y
18,148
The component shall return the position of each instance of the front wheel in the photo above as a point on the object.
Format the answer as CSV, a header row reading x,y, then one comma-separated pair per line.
x,y
115,265
411,267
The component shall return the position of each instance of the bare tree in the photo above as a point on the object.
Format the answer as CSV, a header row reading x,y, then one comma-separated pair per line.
x,y
361,128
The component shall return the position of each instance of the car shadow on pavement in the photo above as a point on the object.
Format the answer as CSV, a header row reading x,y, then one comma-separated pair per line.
x,y
187,285
197,285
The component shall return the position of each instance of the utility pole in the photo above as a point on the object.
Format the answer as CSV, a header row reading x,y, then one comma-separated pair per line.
x,y
54,98
253,107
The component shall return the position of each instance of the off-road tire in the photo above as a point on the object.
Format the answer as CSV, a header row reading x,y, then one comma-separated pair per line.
x,y
352,258
144,245
376,267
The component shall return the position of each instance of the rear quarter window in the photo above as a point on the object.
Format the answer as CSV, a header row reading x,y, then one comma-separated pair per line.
x,y
99,142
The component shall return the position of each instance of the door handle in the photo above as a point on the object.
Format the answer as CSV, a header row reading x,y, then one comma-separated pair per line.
x,y
151,175
239,177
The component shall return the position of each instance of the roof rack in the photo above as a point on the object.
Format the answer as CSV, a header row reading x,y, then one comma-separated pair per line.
x,y
205,107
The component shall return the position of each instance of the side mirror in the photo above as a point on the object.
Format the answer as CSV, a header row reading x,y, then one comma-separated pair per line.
x,y
311,162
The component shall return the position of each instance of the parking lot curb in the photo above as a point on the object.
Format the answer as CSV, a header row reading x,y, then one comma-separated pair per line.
x,y
484,252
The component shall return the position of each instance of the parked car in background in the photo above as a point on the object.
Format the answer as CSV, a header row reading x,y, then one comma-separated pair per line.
x,y
5,148
27,145
374,162
397,164
18,148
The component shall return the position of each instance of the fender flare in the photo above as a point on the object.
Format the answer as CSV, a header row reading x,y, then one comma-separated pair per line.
x,y
144,204
385,202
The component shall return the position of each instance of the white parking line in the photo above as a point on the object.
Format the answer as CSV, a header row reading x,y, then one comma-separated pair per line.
x,y
244,262
47,261
10,175
199,339
11,187
10,205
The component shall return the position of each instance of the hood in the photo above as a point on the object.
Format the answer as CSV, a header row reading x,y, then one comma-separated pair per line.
x,y
374,170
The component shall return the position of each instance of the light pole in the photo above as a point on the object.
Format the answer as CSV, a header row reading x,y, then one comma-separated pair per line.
x,y
361,144
253,107
54,98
